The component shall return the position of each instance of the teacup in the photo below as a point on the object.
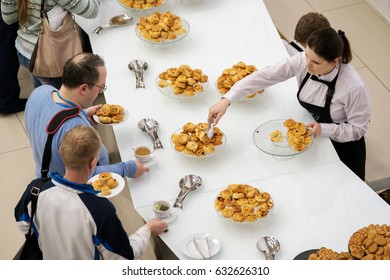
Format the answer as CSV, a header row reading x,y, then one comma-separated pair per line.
x,y
143,153
162,209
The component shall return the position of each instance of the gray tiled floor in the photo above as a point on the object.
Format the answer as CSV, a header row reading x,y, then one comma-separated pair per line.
x,y
372,56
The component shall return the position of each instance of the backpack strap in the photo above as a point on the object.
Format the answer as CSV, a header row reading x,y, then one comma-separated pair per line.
x,y
52,127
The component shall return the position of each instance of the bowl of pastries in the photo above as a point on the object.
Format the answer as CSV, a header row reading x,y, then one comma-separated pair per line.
x,y
108,184
283,137
111,114
232,75
371,243
142,6
161,29
241,203
182,82
191,140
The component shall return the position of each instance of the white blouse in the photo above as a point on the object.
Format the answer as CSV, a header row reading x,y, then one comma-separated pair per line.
x,y
350,108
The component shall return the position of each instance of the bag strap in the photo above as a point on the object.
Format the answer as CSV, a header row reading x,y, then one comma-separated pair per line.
x,y
52,127
35,190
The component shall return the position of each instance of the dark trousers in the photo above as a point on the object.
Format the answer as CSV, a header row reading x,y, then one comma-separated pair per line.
x,y
353,155
9,66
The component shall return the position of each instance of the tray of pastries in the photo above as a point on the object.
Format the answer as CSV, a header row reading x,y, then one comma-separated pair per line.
x,y
191,140
371,243
241,203
142,5
162,28
182,82
283,137
323,254
232,75
111,114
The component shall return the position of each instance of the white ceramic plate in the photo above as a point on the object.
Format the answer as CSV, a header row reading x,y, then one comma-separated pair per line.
x,y
188,247
217,148
114,191
125,117
168,91
262,140
166,42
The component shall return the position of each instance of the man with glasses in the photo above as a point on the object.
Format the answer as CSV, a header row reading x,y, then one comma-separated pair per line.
x,y
83,80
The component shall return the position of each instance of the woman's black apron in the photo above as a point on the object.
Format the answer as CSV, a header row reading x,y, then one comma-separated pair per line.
x,y
353,153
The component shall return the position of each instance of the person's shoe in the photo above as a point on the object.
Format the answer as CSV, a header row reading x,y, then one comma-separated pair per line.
x,y
18,107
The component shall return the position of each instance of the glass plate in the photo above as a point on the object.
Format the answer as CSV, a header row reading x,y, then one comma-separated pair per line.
x,y
217,148
125,117
143,11
262,140
114,191
166,42
188,247
251,96
168,91
245,222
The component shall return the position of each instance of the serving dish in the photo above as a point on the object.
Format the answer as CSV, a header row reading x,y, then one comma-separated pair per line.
x,y
262,139
161,42
148,9
241,203
213,147
169,91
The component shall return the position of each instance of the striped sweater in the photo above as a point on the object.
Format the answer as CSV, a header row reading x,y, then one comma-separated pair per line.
x,y
28,33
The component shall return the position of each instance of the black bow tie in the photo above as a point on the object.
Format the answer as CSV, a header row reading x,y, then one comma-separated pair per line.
x,y
315,78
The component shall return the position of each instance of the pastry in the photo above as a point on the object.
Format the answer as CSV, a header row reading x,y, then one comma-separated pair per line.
x,y
276,136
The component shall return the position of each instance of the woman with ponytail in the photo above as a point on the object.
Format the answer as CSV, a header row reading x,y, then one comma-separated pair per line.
x,y
28,14
329,89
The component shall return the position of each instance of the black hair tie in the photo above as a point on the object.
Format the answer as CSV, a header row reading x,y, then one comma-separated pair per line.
x,y
341,33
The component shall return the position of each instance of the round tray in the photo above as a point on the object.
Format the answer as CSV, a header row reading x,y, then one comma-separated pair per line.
x,y
218,148
262,140
166,42
168,91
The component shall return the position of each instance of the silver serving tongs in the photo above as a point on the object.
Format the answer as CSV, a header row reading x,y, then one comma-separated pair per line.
x,y
210,128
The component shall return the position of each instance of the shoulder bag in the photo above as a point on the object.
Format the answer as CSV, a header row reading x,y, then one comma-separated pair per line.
x,y
55,47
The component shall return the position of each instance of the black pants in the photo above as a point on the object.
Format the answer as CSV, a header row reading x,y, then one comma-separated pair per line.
x,y
9,66
353,155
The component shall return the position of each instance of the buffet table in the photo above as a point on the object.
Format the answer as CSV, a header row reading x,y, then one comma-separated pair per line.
x,y
314,193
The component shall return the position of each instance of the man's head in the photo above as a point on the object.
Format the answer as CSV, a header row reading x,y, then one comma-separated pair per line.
x,y
80,148
307,24
86,73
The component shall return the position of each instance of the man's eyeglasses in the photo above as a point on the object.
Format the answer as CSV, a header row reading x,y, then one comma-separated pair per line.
x,y
103,88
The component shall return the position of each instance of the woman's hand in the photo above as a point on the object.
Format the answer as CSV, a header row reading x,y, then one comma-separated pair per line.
x,y
157,226
140,169
315,128
218,109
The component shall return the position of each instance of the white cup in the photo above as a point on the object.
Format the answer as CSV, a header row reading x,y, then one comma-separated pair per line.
x,y
143,153
162,209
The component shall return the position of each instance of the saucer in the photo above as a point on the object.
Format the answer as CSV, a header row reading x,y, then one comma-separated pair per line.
x,y
171,217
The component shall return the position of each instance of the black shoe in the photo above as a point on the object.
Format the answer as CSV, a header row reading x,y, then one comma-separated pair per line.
x,y
18,107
